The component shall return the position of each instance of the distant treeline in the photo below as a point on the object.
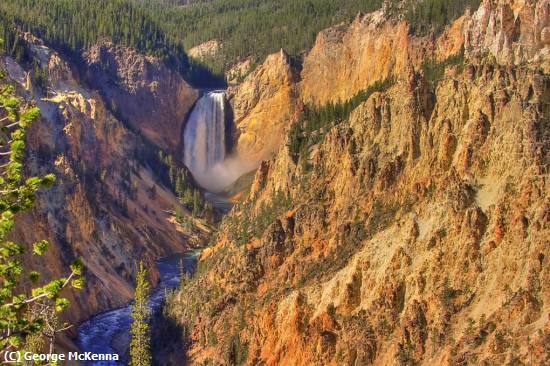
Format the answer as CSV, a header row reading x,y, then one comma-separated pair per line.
x,y
71,26
246,28
77,24
257,28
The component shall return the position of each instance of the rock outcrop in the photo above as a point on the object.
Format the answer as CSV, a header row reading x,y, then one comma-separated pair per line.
x,y
513,31
206,49
141,91
264,105
414,231
238,71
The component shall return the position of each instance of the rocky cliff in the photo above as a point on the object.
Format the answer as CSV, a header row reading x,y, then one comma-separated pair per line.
x,y
347,58
111,201
413,231
344,61
264,105
142,91
514,32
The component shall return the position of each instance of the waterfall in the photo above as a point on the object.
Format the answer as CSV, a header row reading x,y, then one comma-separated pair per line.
x,y
204,136
205,146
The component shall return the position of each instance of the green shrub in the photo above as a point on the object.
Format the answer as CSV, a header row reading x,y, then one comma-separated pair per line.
x,y
434,71
316,121
434,15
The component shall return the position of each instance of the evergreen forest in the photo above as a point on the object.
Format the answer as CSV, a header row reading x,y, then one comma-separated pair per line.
x,y
165,28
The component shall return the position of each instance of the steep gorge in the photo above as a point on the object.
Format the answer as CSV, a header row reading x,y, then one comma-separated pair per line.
x,y
416,230
413,230
112,201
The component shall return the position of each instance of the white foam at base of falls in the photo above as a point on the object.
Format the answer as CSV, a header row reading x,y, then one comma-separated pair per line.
x,y
205,145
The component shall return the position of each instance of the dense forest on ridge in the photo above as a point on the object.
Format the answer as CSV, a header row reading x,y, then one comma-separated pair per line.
x,y
245,28
71,26
257,28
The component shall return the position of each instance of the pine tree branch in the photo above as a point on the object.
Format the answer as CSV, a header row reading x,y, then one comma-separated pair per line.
x,y
63,329
41,296
12,124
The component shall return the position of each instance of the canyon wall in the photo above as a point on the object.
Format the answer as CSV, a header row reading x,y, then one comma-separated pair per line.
x,y
143,92
415,232
349,57
111,202
264,105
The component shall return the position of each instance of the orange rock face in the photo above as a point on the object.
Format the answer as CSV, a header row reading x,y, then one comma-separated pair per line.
x,y
264,106
102,207
417,232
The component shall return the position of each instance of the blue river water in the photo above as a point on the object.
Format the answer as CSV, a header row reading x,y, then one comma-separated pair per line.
x,y
109,332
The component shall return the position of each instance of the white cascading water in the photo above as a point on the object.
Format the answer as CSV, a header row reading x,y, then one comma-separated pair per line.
x,y
204,136
205,148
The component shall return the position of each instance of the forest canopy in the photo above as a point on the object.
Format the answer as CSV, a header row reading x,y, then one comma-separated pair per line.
x,y
245,28
72,25
257,28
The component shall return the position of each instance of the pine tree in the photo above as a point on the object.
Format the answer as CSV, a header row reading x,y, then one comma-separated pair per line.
x,y
24,316
140,354
197,207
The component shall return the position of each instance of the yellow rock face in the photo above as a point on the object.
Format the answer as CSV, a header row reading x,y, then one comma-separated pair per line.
x,y
345,60
348,58
264,106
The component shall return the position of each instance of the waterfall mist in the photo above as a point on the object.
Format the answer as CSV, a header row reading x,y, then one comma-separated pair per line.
x,y
205,145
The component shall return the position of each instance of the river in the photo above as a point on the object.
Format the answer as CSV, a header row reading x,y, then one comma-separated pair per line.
x,y
109,332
